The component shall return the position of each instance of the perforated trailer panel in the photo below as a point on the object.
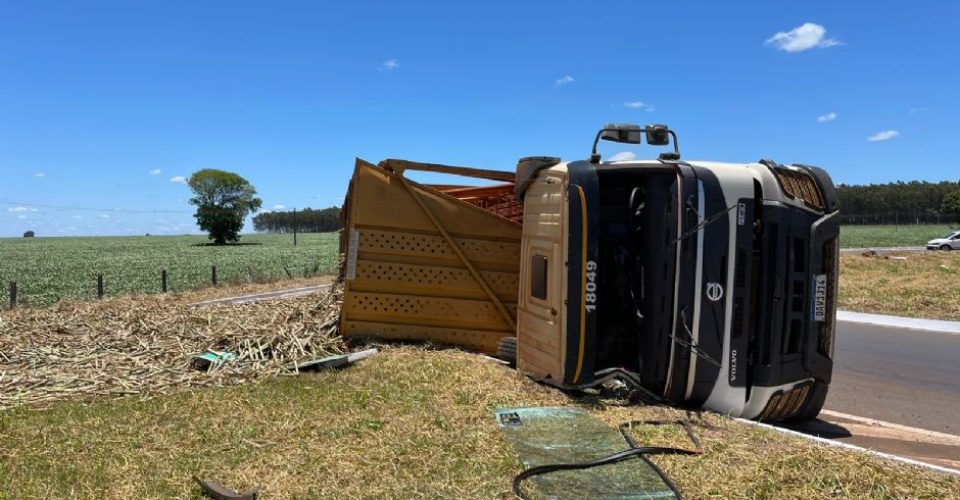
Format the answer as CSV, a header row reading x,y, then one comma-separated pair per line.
x,y
421,264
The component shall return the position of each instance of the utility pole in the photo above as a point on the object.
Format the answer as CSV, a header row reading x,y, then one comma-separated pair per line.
x,y
294,227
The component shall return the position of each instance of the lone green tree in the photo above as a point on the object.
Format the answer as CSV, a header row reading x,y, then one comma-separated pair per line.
x,y
223,200
951,205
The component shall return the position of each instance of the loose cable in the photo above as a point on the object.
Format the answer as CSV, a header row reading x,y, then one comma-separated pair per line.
x,y
634,451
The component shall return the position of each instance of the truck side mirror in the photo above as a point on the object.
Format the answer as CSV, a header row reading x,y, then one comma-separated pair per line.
x,y
658,135
621,132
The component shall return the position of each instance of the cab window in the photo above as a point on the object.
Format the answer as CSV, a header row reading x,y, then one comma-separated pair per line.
x,y
538,277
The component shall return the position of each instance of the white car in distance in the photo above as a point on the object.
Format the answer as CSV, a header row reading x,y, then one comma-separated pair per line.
x,y
948,242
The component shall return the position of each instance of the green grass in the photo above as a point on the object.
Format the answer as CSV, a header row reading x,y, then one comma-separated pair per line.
x,y
49,269
406,423
891,236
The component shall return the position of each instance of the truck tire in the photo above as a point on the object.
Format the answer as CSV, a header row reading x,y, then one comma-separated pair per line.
x,y
507,350
812,406
945,247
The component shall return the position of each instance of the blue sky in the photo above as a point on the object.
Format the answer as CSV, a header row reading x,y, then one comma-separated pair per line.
x,y
106,104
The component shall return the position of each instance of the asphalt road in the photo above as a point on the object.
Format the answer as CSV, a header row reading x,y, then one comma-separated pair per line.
x,y
907,377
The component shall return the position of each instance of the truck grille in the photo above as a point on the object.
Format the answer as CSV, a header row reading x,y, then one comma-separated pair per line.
x,y
799,184
739,282
785,404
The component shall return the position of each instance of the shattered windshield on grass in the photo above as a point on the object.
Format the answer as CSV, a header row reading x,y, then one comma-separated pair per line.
x,y
543,436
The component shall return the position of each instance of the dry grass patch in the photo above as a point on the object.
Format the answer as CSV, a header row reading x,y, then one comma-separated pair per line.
x,y
144,345
923,285
407,423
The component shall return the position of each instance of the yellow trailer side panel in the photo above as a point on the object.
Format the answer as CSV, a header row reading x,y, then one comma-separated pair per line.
x,y
424,265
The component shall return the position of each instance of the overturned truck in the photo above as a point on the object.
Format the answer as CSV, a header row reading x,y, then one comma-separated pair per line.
x,y
703,284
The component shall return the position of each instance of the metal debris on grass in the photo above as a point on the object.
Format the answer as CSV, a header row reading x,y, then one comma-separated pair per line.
x,y
146,345
334,361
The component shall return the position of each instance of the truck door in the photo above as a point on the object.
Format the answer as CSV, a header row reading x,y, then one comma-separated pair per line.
x,y
556,312
540,322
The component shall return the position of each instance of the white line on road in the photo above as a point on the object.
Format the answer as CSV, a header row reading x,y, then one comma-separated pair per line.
x,y
930,325
890,425
829,442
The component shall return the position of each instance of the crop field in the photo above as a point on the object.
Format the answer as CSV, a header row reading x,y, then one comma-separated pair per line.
x,y
49,269
891,236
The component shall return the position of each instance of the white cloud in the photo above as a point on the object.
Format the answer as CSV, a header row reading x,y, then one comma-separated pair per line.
x,y
279,207
179,179
914,111
21,209
639,105
883,135
40,175
104,216
829,117
565,80
156,171
390,65
21,216
804,37
78,216
623,156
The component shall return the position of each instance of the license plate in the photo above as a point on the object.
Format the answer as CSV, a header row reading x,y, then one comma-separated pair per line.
x,y
820,297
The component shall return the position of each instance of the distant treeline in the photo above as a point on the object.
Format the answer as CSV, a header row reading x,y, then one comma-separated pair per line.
x,y
307,220
913,202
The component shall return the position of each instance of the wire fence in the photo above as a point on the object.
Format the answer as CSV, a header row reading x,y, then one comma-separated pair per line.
x,y
38,293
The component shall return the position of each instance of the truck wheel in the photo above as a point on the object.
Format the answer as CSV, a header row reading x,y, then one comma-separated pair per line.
x,y
812,406
945,247
507,350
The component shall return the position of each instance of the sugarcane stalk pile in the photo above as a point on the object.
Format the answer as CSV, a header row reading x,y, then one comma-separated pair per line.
x,y
147,345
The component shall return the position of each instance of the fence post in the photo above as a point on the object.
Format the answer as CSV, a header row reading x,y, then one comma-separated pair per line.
x,y
100,286
13,294
213,275
163,280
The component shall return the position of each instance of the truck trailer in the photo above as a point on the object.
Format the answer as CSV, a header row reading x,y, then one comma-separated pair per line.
x,y
703,284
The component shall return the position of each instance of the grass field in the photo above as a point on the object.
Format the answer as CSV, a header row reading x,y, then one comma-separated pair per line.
x,y
920,285
891,236
407,423
49,269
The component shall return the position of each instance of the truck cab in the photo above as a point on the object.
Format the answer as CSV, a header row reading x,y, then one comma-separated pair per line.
x,y
705,284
